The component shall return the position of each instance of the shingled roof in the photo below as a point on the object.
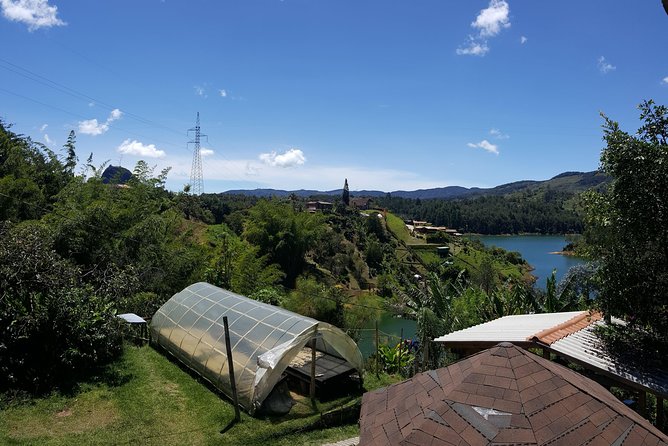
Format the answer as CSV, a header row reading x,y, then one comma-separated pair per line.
x,y
570,335
503,395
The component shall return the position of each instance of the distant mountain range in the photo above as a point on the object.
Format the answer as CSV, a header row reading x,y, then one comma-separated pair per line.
x,y
565,182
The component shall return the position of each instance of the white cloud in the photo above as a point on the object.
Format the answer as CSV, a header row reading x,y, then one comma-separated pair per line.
x,y
137,148
474,48
206,152
251,170
223,93
665,80
115,114
200,91
523,40
291,158
43,127
489,23
94,128
498,134
604,66
493,19
251,174
485,145
47,139
34,13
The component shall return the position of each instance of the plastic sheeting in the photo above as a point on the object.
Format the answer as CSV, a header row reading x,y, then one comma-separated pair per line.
x,y
264,339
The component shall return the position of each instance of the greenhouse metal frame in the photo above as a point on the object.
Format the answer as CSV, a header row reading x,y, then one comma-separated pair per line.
x,y
264,339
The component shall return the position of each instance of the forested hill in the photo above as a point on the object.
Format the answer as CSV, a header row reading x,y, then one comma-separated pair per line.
x,y
545,207
569,182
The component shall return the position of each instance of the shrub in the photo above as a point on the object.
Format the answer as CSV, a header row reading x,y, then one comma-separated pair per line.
x,y
50,327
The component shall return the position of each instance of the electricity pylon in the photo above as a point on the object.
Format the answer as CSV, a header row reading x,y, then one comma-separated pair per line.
x,y
196,176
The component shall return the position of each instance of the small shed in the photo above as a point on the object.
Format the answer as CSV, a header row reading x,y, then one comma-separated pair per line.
x,y
502,395
265,339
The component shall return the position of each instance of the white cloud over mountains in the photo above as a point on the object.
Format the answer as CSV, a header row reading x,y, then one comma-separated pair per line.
x,y
137,148
34,13
485,145
489,23
93,127
253,173
290,158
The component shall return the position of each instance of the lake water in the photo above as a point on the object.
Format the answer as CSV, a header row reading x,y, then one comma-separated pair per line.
x,y
536,250
389,329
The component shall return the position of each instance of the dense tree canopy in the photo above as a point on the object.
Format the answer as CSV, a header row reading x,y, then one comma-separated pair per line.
x,y
628,225
544,211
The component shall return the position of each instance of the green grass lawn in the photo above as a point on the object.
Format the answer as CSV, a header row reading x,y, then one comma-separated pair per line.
x,y
147,399
399,229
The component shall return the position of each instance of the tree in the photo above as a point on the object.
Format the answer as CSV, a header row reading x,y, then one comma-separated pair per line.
x,y
31,175
627,226
345,197
431,305
312,299
284,235
70,148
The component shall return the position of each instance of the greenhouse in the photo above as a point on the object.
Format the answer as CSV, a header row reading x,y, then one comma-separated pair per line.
x,y
265,340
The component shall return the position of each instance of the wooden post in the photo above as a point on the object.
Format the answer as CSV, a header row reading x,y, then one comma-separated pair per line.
x,y
401,344
425,355
659,413
642,403
546,353
230,365
312,389
377,346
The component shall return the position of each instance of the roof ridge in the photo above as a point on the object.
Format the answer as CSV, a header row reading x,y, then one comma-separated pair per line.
x,y
544,335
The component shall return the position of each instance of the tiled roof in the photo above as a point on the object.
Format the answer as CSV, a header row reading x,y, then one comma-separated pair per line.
x,y
503,395
569,334
573,325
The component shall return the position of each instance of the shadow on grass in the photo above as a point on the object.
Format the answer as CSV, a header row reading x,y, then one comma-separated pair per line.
x,y
113,374
300,413
229,426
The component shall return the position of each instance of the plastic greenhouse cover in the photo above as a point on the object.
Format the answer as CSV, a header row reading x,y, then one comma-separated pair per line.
x,y
264,339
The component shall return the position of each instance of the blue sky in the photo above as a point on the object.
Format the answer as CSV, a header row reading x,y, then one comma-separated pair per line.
x,y
304,93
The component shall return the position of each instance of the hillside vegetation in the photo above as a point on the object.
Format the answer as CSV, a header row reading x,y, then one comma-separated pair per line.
x,y
544,207
78,248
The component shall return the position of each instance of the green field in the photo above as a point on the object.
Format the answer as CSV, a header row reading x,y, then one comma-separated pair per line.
x,y
399,229
147,399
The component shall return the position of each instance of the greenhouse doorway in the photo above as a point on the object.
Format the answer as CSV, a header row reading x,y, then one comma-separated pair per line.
x,y
333,375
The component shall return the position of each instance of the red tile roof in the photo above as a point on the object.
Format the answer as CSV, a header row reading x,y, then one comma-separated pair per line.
x,y
573,325
503,395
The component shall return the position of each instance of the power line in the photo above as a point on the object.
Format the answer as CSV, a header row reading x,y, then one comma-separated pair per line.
x,y
43,80
115,127
35,77
76,115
